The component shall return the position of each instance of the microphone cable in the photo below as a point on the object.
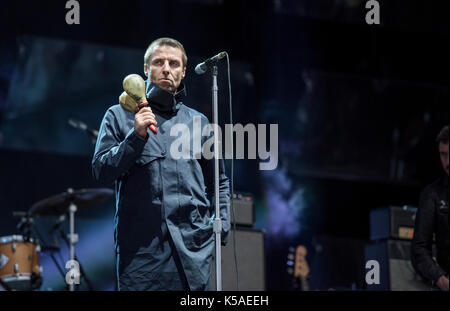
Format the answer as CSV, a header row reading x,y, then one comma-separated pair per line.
x,y
232,173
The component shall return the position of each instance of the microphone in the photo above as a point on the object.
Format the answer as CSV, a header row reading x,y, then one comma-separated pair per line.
x,y
203,67
82,126
19,214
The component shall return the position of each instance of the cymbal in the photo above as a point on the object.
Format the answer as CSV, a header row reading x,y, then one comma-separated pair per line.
x,y
59,204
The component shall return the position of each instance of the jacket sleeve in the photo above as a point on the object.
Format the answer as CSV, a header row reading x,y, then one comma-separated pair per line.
x,y
113,156
422,242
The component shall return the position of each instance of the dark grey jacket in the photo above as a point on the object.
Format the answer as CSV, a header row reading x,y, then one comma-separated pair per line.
x,y
159,198
432,219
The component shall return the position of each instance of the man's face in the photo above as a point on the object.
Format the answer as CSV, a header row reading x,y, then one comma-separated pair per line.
x,y
165,67
443,152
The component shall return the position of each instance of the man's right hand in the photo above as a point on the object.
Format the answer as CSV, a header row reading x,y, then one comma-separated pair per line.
x,y
142,120
442,282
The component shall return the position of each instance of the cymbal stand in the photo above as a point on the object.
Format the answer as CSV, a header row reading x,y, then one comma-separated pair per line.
x,y
25,225
52,256
73,237
57,227
82,273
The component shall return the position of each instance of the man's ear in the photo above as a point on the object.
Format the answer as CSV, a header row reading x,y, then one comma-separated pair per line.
x,y
146,70
184,73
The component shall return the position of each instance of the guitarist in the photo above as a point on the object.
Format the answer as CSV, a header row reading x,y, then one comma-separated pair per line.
x,y
432,218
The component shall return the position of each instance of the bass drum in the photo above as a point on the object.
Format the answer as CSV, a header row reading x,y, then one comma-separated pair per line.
x,y
19,263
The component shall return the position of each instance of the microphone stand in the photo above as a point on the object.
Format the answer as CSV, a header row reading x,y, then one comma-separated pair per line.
x,y
81,126
217,226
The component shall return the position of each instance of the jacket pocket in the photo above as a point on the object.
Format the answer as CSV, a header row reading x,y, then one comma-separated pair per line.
x,y
146,158
151,152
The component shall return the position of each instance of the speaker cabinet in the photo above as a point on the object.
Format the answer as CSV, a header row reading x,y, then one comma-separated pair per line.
x,y
251,262
337,263
244,207
396,270
392,222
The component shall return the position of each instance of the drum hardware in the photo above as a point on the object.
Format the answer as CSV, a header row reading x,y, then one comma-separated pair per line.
x,y
52,250
25,224
70,202
20,269
73,236
46,248
3,260
60,204
66,238
4,286
19,260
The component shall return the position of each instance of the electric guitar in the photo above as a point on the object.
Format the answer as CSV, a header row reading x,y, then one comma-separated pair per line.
x,y
298,268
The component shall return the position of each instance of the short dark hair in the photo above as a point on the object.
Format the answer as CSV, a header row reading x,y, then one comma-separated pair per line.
x,y
443,135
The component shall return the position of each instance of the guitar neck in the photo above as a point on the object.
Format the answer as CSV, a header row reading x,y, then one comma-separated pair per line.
x,y
301,268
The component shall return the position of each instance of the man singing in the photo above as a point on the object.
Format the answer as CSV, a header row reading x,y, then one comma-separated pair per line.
x,y
164,204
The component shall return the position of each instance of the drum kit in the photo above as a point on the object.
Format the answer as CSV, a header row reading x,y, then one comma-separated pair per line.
x,y
19,254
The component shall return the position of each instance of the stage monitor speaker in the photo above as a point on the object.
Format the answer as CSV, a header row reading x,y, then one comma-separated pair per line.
x,y
396,270
250,261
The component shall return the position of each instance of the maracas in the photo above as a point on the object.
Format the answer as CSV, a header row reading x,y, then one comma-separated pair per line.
x,y
134,98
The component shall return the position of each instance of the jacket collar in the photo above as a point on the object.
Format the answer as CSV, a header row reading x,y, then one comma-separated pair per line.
x,y
162,100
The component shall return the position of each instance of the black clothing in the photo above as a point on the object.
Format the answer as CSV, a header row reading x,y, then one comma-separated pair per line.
x,y
432,218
